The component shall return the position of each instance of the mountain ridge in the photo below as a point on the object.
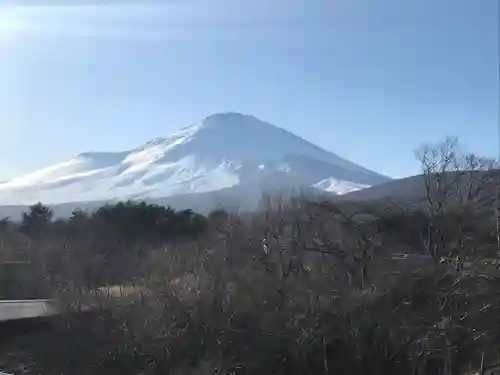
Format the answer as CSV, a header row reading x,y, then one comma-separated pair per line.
x,y
225,150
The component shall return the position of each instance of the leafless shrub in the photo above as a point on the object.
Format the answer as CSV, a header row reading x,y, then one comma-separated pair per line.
x,y
301,287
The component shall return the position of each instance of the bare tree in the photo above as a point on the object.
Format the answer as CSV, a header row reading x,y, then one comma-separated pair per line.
x,y
454,180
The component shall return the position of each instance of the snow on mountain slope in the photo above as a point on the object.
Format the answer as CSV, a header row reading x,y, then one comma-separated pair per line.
x,y
223,151
339,187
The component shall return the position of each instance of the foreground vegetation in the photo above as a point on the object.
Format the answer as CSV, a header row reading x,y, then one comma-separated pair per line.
x,y
299,287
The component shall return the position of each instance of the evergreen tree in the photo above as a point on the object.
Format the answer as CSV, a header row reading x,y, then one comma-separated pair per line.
x,y
37,220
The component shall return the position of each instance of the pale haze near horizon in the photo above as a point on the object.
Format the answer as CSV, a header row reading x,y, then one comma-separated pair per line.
x,y
367,80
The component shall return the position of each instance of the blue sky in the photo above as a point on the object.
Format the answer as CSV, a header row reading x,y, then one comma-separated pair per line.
x,y
369,80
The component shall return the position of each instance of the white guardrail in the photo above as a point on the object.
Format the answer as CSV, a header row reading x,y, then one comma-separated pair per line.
x,y
25,309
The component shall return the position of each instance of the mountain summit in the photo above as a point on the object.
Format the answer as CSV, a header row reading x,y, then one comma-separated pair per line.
x,y
224,151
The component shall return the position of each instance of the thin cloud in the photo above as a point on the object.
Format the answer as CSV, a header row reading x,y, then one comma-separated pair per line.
x,y
90,20
69,3
150,19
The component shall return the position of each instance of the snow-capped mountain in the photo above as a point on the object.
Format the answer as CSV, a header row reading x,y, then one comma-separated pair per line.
x,y
224,152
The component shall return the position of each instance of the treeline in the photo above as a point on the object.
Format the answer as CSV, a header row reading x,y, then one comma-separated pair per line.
x,y
103,247
301,287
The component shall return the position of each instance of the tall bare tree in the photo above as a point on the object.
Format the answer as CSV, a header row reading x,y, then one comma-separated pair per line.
x,y
454,181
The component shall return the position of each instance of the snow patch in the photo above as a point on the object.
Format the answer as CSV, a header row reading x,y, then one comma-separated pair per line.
x,y
339,187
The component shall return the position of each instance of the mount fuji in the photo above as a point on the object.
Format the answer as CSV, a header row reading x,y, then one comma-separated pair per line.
x,y
225,155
